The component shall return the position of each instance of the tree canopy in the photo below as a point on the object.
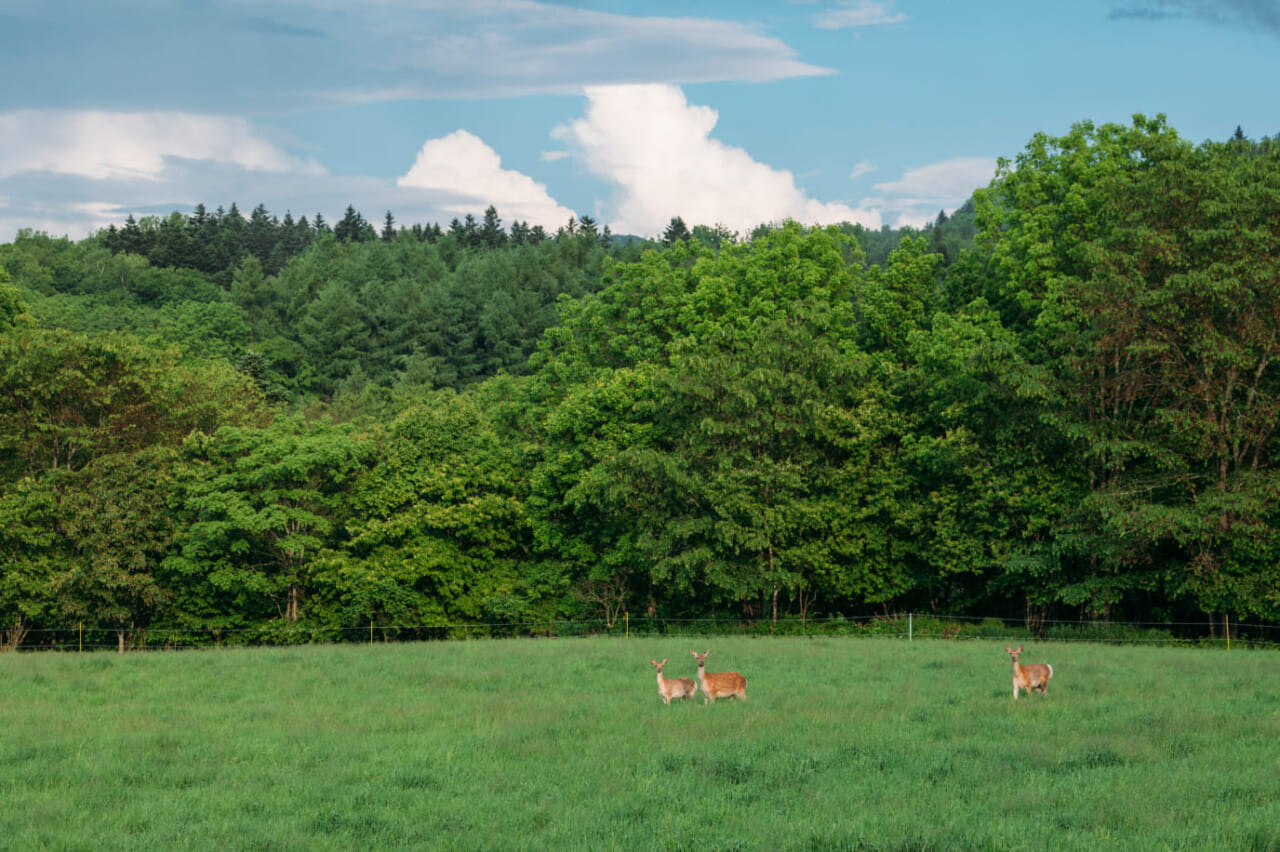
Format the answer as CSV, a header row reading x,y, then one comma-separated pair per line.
x,y
1058,400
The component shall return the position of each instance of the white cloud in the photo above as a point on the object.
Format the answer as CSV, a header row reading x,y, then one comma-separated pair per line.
x,y
72,173
921,192
657,150
308,54
463,165
864,13
947,178
861,169
98,144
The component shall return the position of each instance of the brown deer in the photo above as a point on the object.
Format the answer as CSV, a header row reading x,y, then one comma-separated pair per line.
x,y
676,687
718,684
1029,677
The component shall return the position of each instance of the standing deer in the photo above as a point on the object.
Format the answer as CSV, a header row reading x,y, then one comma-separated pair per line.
x,y
676,687
718,684
1029,677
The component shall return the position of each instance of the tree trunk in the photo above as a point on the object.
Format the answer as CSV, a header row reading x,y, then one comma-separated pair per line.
x,y
14,634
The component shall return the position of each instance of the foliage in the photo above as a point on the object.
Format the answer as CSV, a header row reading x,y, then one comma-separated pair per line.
x,y
1056,402
264,504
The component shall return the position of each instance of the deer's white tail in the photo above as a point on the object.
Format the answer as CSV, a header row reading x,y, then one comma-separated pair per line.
x,y
1029,677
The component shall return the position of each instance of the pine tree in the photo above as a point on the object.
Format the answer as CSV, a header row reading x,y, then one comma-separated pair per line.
x,y
491,233
352,228
676,231
519,233
260,235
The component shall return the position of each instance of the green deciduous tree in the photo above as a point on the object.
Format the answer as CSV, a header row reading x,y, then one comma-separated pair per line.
x,y
1143,270
440,536
66,399
264,505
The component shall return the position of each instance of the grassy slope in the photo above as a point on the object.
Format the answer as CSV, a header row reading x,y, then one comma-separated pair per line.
x,y
565,744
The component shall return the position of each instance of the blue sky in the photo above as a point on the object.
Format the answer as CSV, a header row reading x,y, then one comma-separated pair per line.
x,y
877,111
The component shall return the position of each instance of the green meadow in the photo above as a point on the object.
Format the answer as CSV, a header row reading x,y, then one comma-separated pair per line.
x,y
565,744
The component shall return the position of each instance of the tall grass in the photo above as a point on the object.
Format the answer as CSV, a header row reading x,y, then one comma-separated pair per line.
x,y
557,744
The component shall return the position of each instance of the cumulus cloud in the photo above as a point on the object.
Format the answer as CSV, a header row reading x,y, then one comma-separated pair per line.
x,y
463,165
864,13
97,144
72,173
656,149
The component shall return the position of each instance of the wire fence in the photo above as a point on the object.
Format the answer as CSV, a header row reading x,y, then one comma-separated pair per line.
x,y
1221,633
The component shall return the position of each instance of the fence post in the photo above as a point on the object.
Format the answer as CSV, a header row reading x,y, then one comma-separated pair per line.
x,y
1226,625
910,629
626,620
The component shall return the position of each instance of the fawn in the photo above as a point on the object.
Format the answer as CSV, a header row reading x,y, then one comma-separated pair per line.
x,y
676,687
1029,677
718,684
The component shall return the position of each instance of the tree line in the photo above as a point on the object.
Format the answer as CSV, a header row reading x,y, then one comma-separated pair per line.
x,y
1058,401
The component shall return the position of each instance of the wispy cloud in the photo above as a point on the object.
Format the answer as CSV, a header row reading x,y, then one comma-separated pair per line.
x,y
916,197
269,27
1254,14
362,52
99,144
860,169
862,13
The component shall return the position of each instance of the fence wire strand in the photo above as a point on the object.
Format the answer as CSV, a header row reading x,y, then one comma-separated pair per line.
x,y
901,626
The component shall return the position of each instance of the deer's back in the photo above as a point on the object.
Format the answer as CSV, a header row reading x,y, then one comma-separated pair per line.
x,y
725,683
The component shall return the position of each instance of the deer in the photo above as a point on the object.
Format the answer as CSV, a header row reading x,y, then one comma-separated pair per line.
x,y
676,687
718,684
1029,677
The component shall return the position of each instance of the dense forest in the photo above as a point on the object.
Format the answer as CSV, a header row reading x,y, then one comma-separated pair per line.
x,y
1058,401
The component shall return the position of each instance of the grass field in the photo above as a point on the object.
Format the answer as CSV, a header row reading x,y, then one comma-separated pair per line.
x,y
565,744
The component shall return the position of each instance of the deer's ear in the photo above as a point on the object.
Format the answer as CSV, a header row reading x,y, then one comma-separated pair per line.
x,y
664,662
1007,648
1019,649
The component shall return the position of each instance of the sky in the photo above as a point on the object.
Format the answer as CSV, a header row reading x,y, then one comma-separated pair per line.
x,y
881,112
